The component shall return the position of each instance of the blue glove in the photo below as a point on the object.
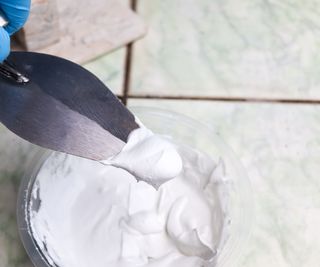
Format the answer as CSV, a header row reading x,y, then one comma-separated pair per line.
x,y
16,13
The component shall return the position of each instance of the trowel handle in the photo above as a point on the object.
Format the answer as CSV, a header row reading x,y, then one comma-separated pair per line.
x,y
8,70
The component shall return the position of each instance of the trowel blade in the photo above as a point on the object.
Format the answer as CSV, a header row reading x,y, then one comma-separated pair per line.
x,y
63,107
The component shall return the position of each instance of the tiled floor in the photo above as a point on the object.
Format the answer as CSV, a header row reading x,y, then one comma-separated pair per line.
x,y
243,49
14,153
210,50
110,69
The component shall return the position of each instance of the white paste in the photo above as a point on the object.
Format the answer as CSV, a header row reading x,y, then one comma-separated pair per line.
x,y
100,216
149,157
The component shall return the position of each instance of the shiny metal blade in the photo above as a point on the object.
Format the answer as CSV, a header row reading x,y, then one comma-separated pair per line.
x,y
64,108
42,120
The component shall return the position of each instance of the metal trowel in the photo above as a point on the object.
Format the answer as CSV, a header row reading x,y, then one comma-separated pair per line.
x,y
57,104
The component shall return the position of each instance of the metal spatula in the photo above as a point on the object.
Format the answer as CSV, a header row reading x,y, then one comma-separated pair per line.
x,y
57,104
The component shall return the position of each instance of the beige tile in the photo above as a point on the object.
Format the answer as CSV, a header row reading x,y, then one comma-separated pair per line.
x,y
279,146
265,49
89,30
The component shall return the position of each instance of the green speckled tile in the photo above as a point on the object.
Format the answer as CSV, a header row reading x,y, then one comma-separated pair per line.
x,y
279,146
14,152
110,69
249,48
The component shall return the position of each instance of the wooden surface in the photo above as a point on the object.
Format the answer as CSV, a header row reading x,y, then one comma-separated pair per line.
x,y
42,28
88,30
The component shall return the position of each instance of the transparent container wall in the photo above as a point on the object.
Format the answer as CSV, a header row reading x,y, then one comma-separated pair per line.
x,y
188,131
184,131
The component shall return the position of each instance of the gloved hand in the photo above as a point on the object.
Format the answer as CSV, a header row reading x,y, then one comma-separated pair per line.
x,y
16,13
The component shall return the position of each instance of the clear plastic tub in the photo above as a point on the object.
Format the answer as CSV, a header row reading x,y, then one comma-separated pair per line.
x,y
183,130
